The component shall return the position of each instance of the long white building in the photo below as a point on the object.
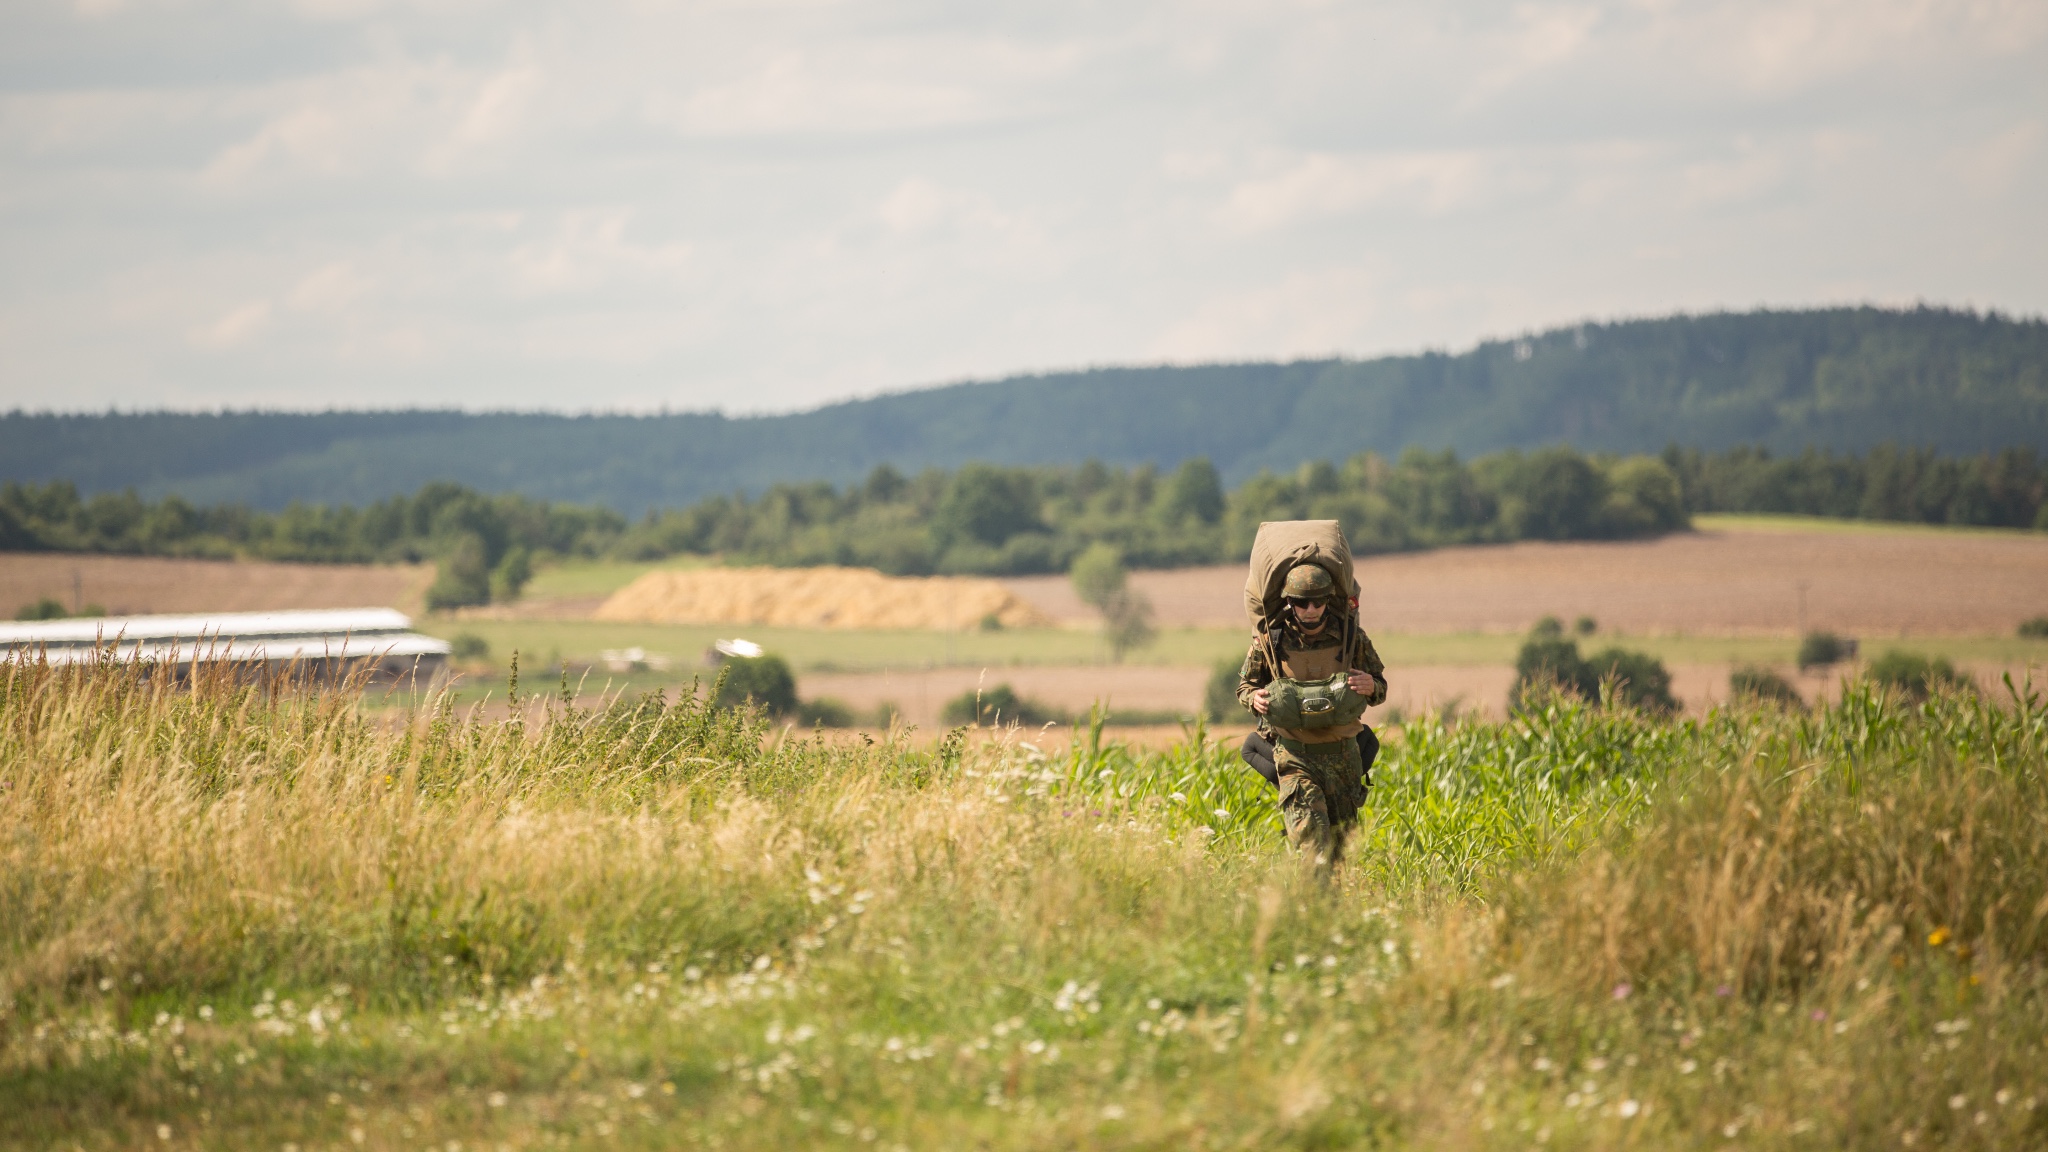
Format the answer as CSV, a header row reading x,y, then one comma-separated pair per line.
x,y
324,644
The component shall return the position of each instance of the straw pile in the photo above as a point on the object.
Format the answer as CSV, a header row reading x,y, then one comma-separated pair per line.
x,y
817,598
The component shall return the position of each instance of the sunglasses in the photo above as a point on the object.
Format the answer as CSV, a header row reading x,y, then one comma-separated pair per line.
x,y
1299,602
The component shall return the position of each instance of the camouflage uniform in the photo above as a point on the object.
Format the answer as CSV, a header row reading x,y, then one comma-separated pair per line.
x,y
1322,770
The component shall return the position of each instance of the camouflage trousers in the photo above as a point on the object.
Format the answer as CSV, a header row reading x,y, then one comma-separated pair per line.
x,y
1322,787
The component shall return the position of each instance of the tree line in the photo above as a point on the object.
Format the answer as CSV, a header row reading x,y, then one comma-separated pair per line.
x,y
986,519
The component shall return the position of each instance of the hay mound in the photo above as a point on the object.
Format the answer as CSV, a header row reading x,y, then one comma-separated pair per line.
x,y
817,598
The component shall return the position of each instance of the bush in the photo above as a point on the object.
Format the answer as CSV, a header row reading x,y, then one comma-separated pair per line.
x,y
2035,629
826,712
1757,684
765,680
1641,680
48,608
1823,649
1915,676
998,704
1548,660
1219,696
469,646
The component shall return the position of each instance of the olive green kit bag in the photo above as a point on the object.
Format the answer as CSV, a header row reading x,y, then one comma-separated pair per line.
x,y
1313,703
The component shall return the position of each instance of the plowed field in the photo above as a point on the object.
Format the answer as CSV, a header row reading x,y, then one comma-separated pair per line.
x,y
1736,580
135,585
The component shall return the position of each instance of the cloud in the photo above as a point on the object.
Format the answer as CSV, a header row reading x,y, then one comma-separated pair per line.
x,y
761,205
237,327
1426,183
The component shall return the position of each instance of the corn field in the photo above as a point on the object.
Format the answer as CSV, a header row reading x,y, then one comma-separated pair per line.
x,y
240,918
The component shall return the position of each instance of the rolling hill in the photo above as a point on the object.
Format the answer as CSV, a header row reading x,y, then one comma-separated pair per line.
x,y
1847,378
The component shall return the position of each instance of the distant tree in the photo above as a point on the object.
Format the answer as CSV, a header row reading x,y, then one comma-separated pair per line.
x,y
464,577
1556,494
985,505
764,680
1099,580
1098,574
1821,650
512,573
1193,492
1643,498
2034,629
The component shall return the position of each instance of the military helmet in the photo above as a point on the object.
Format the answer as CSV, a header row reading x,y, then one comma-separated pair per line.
x,y
1308,582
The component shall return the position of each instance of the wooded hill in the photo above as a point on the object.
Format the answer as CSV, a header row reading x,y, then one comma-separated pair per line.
x,y
1836,379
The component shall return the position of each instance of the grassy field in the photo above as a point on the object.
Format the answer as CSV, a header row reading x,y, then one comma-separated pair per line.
x,y
1764,522
237,922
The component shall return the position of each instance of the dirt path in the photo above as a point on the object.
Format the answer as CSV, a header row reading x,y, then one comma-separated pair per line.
x,y
137,585
1729,582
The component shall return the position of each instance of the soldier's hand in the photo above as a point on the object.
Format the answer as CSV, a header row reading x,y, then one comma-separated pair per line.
x,y
1261,701
1361,683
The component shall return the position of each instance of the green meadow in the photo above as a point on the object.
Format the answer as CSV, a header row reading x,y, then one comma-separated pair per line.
x,y
235,920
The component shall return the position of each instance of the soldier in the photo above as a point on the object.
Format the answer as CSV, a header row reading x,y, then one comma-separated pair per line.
x,y
1322,772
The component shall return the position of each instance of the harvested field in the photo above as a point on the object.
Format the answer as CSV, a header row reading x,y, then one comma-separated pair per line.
x,y
1739,580
817,598
134,585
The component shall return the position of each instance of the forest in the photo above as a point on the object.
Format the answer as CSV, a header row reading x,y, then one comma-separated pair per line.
x,y
987,519
1841,380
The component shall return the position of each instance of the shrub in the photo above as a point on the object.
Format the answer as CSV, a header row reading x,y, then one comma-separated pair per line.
x,y
1585,626
765,680
1915,676
1640,679
998,704
1758,684
2034,629
47,608
469,646
827,712
1823,649
1549,660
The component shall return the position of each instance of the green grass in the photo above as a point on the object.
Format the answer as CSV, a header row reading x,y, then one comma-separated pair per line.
x,y
230,921
1761,522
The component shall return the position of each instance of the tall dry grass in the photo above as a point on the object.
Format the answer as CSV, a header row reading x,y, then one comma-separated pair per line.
x,y
233,918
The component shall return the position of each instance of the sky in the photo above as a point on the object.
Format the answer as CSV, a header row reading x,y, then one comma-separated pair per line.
x,y
628,205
